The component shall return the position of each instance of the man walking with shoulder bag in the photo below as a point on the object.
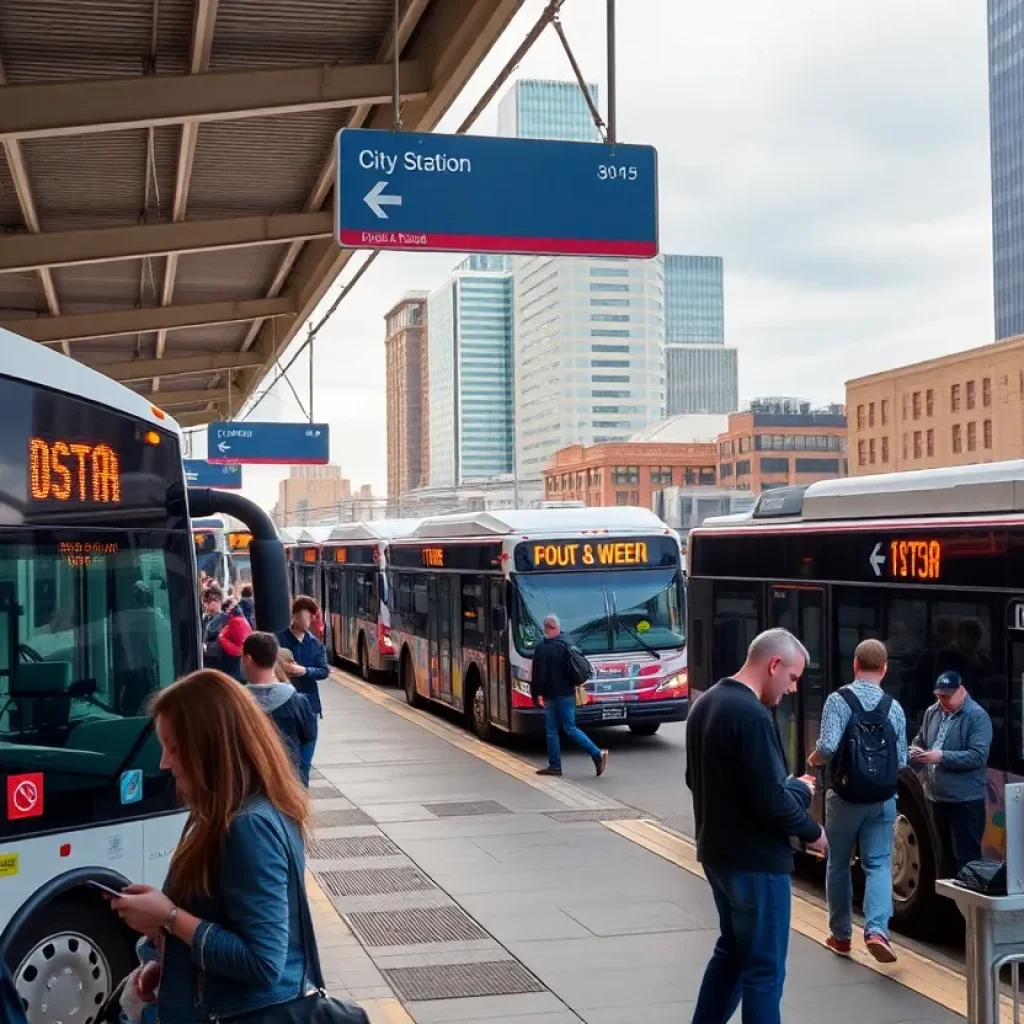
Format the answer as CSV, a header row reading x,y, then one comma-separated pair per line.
x,y
553,682
864,741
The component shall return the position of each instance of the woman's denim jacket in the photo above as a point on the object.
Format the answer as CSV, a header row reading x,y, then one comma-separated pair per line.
x,y
248,952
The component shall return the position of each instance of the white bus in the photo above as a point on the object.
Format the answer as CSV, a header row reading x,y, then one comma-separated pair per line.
x,y
212,556
98,609
469,594
355,572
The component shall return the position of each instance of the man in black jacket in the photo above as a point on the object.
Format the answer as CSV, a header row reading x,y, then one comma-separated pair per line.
x,y
745,811
553,687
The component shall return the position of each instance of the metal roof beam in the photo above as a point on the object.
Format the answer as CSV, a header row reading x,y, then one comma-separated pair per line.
x,y
89,106
196,419
169,399
66,248
86,326
185,366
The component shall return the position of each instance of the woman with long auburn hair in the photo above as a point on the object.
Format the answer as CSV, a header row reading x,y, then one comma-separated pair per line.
x,y
231,909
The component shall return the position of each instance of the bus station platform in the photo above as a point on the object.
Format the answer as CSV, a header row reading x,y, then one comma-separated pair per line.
x,y
451,884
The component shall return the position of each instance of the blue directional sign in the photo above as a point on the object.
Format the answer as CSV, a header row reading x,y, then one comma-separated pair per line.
x,y
200,473
471,193
281,444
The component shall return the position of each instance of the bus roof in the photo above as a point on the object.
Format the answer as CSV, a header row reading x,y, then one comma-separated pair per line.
x,y
990,489
553,521
376,529
312,534
36,364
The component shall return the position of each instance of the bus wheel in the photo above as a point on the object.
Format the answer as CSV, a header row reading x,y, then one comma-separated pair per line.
x,y
412,698
645,728
67,961
479,714
913,867
364,660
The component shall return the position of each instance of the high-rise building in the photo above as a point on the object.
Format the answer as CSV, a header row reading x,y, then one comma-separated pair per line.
x,y
702,375
589,353
542,109
470,372
1006,120
405,352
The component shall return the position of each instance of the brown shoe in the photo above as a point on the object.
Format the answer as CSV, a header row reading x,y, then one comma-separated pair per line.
x,y
879,948
601,762
841,947
557,772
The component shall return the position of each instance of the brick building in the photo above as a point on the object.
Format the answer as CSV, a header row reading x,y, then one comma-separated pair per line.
x,y
405,353
777,442
952,411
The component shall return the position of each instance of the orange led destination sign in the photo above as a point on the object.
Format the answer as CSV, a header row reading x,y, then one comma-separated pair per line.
x,y
239,541
915,560
81,553
433,557
72,471
631,553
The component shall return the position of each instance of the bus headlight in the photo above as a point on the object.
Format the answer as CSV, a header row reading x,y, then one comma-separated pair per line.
x,y
676,682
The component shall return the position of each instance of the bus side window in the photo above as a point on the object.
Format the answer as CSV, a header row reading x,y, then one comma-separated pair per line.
x,y
473,635
737,620
858,616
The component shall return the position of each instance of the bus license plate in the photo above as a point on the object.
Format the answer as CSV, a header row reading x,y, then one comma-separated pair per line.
x,y
611,713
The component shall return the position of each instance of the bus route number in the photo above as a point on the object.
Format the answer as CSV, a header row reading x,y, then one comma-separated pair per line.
x,y
617,172
915,559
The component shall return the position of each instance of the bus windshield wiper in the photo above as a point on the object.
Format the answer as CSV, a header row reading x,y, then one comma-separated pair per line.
x,y
581,634
625,627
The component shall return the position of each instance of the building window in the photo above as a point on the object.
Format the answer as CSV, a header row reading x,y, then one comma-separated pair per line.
x,y
770,465
744,444
661,476
871,451
954,398
871,414
742,468
970,394
860,417
817,466
917,444
929,402
885,412
626,475
726,447
972,436
929,441
986,391
987,433
958,445
885,449
904,406
725,470
904,447
862,453
916,403
622,497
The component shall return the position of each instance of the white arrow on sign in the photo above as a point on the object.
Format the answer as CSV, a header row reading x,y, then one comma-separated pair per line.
x,y
224,446
376,201
877,559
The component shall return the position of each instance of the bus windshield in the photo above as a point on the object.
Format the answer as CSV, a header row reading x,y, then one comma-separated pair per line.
x,y
90,626
602,612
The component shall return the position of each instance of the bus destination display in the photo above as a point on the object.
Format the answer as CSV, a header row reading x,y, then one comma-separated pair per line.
x,y
556,555
63,470
239,541
914,560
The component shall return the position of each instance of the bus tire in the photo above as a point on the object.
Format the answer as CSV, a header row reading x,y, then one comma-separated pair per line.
x,y
477,709
365,672
644,728
76,934
913,868
412,698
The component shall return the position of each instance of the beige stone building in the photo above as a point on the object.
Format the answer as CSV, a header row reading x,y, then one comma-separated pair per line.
x,y
309,493
956,410
405,353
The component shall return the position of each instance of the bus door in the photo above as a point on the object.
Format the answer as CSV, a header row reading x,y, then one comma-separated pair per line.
x,y
1011,731
439,593
801,610
497,659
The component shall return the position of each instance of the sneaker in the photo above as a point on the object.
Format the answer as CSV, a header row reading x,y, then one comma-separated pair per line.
x,y
879,948
841,947
601,762
550,771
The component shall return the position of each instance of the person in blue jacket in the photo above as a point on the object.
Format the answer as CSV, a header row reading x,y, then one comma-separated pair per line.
x,y
310,659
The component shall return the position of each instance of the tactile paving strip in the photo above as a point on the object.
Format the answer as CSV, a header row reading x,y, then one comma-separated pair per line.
x,y
461,981
351,846
374,881
415,926
601,814
329,819
466,808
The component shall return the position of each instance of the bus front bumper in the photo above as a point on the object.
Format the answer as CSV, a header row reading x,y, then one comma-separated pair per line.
x,y
530,721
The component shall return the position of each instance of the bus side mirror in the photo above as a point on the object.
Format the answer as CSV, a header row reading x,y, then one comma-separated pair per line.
x,y
499,620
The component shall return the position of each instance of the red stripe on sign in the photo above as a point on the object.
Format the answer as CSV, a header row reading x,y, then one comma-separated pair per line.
x,y
432,241
267,462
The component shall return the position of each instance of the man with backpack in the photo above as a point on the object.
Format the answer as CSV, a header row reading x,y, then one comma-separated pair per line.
x,y
554,677
864,740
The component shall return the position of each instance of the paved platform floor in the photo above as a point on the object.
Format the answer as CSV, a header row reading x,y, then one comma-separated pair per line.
x,y
450,887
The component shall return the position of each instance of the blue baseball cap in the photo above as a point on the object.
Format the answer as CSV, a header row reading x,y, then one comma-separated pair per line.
x,y
948,682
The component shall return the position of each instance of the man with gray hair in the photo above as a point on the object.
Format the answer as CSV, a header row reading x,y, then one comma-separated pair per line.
x,y
553,687
745,811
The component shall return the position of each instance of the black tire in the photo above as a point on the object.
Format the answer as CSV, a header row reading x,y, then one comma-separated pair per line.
x,y
645,728
478,711
915,902
76,934
364,660
412,698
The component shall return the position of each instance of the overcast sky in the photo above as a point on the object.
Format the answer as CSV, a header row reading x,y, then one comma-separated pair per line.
x,y
835,154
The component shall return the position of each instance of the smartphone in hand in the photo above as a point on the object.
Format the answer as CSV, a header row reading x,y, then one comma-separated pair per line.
x,y
105,889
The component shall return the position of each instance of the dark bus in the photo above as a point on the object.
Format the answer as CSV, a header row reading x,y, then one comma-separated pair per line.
x,y
926,562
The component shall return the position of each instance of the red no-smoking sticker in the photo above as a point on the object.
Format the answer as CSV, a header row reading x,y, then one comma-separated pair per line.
x,y
24,796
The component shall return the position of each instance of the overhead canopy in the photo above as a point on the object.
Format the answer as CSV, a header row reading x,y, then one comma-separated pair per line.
x,y
166,195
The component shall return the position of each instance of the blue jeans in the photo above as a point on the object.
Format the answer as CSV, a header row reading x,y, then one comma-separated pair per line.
x,y
870,827
306,761
561,711
749,961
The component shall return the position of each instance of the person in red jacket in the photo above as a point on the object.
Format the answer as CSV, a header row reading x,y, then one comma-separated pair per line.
x,y
231,638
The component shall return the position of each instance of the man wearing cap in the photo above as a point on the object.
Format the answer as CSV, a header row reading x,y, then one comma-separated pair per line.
x,y
953,743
